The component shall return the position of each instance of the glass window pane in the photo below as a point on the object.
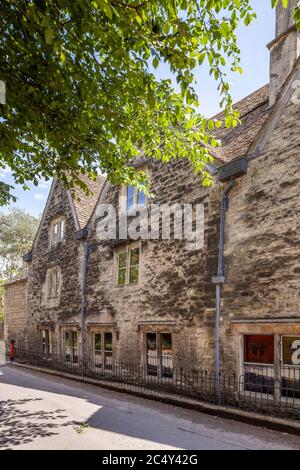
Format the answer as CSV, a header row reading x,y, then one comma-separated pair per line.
x,y
166,343
166,354
56,283
122,259
44,341
122,276
108,341
134,256
98,359
134,275
51,284
97,340
67,339
75,355
151,341
49,343
67,346
151,354
130,197
134,266
291,350
62,230
74,339
141,198
259,349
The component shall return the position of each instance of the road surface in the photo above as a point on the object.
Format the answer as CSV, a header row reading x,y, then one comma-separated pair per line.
x,y
40,411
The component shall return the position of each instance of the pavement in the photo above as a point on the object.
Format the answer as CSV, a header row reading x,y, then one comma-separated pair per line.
x,y
40,411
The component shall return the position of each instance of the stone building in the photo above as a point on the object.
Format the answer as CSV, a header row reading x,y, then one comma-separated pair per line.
x,y
154,302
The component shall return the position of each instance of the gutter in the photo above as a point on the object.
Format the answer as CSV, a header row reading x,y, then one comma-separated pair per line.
x,y
226,173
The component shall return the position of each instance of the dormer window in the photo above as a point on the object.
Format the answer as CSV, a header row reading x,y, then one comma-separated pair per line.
x,y
57,231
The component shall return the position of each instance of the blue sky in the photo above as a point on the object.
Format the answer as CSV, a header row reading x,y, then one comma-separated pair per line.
x,y
255,63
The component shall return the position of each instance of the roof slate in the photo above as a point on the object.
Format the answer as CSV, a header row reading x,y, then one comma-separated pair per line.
x,y
84,204
254,110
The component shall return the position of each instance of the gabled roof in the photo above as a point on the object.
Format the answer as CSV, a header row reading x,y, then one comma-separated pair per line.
x,y
254,110
84,204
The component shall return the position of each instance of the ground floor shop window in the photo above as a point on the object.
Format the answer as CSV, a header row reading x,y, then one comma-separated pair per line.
x,y
259,349
159,355
269,371
290,366
46,342
71,346
259,363
103,349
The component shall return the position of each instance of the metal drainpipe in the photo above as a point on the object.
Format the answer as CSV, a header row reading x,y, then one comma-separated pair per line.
x,y
83,297
219,281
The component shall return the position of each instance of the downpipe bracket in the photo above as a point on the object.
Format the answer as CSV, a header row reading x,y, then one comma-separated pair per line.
x,y
218,280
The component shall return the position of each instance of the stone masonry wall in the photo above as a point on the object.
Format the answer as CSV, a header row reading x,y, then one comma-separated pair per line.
x,y
15,311
263,239
175,293
67,257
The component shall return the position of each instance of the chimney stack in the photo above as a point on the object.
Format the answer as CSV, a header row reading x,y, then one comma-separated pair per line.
x,y
284,49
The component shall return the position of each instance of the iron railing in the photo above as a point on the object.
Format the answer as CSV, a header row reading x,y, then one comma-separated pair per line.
x,y
257,389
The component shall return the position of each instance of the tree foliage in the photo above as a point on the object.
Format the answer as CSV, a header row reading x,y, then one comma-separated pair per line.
x,y
17,232
81,95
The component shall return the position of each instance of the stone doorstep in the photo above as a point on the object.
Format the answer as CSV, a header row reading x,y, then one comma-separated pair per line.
x,y
247,417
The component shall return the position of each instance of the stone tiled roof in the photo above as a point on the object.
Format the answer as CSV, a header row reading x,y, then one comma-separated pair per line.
x,y
85,204
254,110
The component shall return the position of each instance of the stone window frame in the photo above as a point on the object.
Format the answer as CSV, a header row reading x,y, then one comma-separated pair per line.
x,y
54,281
278,330
127,248
158,329
56,239
48,351
71,329
123,197
101,329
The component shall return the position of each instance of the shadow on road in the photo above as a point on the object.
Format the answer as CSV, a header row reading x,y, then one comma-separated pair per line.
x,y
20,426
122,415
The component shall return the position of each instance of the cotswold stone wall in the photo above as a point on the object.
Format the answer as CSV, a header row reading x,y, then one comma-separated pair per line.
x,y
263,238
175,293
15,311
66,256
